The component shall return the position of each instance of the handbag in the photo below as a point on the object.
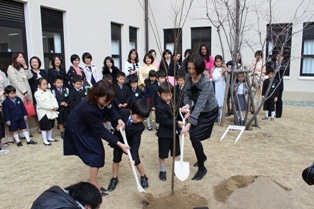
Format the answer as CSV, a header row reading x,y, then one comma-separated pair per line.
x,y
30,109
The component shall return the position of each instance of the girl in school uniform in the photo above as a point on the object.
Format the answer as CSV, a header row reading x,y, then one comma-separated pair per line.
x,y
47,106
220,83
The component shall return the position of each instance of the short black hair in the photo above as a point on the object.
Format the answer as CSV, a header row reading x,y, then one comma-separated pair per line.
x,y
152,73
133,79
58,77
165,87
180,74
9,88
107,77
198,62
40,80
77,78
188,51
74,57
160,74
86,55
85,193
140,108
122,74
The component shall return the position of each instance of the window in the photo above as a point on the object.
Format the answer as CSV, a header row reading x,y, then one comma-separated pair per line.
x,y
171,37
278,38
12,36
307,55
133,38
200,36
52,35
116,44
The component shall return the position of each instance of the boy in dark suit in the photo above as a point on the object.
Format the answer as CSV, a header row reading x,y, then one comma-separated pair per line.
x,y
134,129
77,93
161,78
15,115
180,79
123,94
151,87
136,92
164,114
269,104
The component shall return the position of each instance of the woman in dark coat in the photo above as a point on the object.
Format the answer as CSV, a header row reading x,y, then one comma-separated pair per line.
x,y
84,129
201,109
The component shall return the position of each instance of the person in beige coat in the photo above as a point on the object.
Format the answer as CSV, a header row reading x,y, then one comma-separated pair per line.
x,y
46,107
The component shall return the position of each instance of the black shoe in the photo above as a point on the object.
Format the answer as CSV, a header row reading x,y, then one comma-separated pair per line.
x,y
19,144
47,144
113,184
103,189
199,174
31,142
149,128
196,164
162,175
103,194
144,181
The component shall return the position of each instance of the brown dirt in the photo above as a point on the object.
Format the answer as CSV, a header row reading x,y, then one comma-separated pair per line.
x,y
278,151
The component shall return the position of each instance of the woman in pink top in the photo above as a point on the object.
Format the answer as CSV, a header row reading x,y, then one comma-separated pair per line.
x,y
208,59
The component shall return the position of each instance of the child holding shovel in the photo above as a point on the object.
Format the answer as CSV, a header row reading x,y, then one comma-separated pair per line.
x,y
164,114
134,129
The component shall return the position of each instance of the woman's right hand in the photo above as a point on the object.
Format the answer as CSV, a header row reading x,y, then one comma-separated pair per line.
x,y
185,108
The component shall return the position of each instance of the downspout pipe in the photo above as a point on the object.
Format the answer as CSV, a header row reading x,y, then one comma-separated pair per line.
x,y
146,26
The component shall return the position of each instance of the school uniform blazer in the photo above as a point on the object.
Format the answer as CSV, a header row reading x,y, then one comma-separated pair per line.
x,y
19,79
274,89
33,80
52,73
138,94
179,96
45,102
70,76
91,72
165,118
155,96
122,95
75,97
13,112
61,97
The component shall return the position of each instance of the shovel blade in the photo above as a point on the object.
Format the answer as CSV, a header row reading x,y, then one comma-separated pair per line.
x,y
182,170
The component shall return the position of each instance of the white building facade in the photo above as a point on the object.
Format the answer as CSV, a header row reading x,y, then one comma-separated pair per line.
x,y
45,28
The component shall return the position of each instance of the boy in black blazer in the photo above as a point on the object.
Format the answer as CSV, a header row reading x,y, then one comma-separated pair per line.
x,y
164,114
136,92
77,93
123,94
272,97
161,78
15,115
133,130
180,79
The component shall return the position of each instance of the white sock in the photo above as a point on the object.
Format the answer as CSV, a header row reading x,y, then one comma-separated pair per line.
x,y
16,137
44,135
272,114
148,122
266,114
26,135
49,135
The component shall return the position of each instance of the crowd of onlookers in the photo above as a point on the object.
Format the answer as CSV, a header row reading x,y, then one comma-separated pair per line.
x,y
57,91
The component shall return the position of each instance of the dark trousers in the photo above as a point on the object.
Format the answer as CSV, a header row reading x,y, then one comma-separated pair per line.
x,y
279,105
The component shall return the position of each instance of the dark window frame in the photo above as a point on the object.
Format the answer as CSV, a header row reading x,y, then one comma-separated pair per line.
x,y
169,36
198,39
116,35
133,35
308,34
275,33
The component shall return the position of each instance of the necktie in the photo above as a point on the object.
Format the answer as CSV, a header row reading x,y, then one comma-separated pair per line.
x,y
129,122
133,90
60,90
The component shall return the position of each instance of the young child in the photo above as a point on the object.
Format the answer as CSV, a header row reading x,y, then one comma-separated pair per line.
x,y
164,114
46,107
134,128
77,93
123,95
161,78
180,79
272,96
151,87
240,101
220,83
15,115
136,92
62,95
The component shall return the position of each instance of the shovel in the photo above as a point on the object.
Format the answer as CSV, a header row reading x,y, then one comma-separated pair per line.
x,y
181,168
139,186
